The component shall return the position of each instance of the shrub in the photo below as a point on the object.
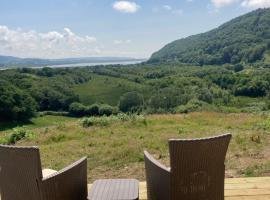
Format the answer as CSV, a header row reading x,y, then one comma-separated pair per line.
x,y
18,134
93,110
191,106
228,109
107,110
97,121
80,110
53,113
77,109
86,122
123,117
238,67
131,102
107,120
255,107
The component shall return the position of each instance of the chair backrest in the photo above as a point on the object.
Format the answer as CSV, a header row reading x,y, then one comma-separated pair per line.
x,y
20,172
197,168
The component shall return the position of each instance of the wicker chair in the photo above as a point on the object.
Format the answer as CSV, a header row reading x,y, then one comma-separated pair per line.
x,y
197,170
21,177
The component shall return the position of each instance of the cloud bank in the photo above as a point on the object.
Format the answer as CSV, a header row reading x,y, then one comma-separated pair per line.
x,y
167,7
126,6
118,42
256,3
244,3
50,45
222,3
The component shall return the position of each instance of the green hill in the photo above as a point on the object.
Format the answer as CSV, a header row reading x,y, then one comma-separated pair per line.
x,y
245,39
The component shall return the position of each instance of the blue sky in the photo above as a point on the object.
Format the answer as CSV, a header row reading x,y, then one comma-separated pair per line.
x,y
75,28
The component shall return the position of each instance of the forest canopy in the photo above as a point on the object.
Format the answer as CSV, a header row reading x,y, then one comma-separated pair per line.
x,y
138,88
245,39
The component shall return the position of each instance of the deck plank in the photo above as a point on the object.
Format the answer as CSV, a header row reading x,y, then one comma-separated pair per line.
x,y
257,188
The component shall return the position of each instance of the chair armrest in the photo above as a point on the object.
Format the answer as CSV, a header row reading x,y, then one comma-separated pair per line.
x,y
69,183
157,178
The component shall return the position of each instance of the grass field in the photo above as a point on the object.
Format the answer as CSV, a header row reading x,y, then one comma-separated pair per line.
x,y
38,122
116,150
104,89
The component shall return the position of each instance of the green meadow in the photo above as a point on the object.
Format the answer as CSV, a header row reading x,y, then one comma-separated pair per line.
x,y
104,89
115,148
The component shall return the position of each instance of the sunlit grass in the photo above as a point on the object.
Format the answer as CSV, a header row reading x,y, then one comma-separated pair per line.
x,y
116,150
101,89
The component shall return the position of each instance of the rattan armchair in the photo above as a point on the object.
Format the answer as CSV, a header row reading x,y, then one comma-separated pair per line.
x,y
197,170
21,177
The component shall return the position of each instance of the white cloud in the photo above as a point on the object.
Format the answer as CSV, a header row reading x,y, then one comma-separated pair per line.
x,y
121,42
190,1
222,3
256,3
167,7
46,45
126,6
244,3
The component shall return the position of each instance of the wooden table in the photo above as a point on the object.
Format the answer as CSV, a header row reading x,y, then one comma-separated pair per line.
x,y
114,189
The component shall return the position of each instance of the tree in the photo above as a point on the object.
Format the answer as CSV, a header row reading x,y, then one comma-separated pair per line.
x,y
15,104
268,45
131,102
253,88
53,96
238,67
46,71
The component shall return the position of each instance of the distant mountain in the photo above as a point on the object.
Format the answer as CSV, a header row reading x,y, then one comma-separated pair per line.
x,y
10,61
245,39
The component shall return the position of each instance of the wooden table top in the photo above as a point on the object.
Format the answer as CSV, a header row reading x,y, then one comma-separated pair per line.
x,y
113,189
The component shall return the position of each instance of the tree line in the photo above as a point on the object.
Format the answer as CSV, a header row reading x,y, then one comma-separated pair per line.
x,y
160,88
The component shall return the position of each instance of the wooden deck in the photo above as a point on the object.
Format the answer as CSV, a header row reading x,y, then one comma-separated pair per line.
x,y
236,189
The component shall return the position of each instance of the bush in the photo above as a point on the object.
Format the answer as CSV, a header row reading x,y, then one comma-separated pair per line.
x,y
107,110
228,109
93,110
77,109
238,67
86,122
255,107
107,120
53,113
97,121
18,134
123,117
191,106
131,102
80,110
